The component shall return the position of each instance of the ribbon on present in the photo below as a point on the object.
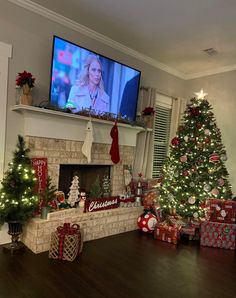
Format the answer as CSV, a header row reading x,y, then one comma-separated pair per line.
x,y
62,231
225,230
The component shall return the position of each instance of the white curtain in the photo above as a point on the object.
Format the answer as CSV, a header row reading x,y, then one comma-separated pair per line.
x,y
178,108
144,144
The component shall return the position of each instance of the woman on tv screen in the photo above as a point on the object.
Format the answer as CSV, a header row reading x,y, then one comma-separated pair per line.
x,y
82,79
88,91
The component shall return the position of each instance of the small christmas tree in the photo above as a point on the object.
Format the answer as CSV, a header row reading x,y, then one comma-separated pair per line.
x,y
95,191
49,193
74,192
17,198
195,169
106,186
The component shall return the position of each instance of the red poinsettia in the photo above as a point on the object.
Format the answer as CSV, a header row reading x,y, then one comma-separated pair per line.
x,y
148,111
25,78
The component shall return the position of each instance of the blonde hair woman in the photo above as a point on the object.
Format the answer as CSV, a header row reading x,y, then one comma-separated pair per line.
x,y
88,91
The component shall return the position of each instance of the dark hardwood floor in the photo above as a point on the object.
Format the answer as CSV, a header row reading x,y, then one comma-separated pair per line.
x,y
127,265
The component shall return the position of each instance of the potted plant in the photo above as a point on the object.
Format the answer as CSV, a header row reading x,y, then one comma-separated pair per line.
x,y
47,196
25,81
17,199
147,115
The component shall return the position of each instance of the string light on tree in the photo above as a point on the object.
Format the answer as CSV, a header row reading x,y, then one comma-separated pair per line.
x,y
194,170
17,199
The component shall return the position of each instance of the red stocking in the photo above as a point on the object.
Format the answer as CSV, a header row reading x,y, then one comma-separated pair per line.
x,y
114,151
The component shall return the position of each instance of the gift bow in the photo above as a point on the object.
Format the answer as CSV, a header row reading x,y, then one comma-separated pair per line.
x,y
68,229
64,230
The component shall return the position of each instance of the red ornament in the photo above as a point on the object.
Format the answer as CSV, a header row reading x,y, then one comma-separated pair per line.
x,y
181,128
175,141
215,158
194,111
207,140
147,222
202,205
185,173
199,125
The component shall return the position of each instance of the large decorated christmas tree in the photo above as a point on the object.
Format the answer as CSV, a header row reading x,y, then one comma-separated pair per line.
x,y
195,168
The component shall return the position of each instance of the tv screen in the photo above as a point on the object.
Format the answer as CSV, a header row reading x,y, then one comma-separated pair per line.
x,y
84,80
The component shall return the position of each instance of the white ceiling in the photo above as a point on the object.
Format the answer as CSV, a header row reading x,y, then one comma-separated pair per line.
x,y
171,32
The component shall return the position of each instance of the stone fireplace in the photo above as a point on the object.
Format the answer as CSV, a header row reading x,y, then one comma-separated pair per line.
x,y
68,152
59,137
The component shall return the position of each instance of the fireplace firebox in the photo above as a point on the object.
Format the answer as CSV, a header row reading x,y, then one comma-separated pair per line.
x,y
87,175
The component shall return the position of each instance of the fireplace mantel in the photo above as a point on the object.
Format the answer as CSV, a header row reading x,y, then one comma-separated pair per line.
x,y
47,123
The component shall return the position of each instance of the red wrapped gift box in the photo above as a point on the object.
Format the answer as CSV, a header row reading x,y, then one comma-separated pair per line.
x,y
176,220
191,231
167,233
216,234
221,210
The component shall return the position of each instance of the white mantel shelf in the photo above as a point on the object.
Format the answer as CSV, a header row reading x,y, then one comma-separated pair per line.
x,y
47,123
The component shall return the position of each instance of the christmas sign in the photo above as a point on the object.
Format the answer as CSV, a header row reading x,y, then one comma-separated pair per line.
x,y
102,204
40,165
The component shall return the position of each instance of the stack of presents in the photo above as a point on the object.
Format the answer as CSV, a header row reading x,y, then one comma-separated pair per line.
x,y
217,229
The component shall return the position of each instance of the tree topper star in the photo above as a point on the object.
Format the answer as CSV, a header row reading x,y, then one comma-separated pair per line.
x,y
201,94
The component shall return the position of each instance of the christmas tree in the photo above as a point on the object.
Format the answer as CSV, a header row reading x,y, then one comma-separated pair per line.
x,y
95,191
106,186
17,198
195,169
49,193
74,192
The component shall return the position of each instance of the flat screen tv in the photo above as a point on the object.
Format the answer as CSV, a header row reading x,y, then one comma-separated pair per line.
x,y
82,80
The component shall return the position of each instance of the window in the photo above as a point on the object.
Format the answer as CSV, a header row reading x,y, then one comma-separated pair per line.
x,y
161,133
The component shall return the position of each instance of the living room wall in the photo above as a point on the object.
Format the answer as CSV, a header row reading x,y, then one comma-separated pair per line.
x,y
221,89
30,35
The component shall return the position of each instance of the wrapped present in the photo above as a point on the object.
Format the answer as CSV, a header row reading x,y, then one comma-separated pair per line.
x,y
166,232
190,231
158,213
176,220
66,242
216,234
221,210
149,200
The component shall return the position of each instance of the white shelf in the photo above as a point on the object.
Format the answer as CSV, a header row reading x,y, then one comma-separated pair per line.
x,y
47,123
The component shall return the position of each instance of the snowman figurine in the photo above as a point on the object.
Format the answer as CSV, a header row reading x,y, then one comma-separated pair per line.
x,y
82,199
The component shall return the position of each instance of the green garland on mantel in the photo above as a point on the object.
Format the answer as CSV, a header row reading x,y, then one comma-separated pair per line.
x,y
92,113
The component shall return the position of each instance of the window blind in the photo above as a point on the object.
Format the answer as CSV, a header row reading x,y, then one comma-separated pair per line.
x,y
162,121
